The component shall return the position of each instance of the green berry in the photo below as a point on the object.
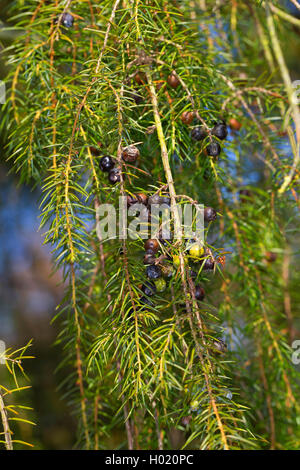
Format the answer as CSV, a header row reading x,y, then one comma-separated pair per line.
x,y
196,251
160,284
194,405
176,261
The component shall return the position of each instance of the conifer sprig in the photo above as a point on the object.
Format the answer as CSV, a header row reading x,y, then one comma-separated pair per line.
x,y
104,83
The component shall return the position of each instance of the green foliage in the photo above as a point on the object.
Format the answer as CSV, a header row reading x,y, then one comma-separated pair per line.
x,y
12,412
142,376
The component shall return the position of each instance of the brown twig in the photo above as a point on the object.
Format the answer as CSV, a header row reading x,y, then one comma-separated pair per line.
x,y
7,431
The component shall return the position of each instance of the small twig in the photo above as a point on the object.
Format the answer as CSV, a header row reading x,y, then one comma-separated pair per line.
x,y
7,431
290,93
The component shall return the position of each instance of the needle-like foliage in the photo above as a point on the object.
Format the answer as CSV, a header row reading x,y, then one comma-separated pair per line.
x,y
152,377
12,413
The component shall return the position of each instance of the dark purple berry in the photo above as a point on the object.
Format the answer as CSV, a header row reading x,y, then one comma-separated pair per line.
x,y
114,176
209,214
106,163
220,131
67,20
199,292
198,133
149,289
153,272
209,264
213,149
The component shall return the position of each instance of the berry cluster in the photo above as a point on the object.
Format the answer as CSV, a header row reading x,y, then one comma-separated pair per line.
x,y
219,130
130,154
163,267
199,133
159,258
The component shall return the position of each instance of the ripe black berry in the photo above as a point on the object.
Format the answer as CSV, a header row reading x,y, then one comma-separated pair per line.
x,y
198,133
114,176
220,131
149,258
153,272
199,292
173,80
67,20
213,149
106,163
209,264
149,289
152,244
130,154
209,214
